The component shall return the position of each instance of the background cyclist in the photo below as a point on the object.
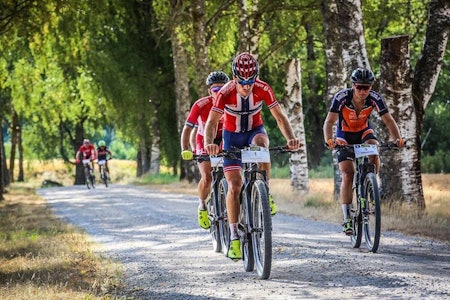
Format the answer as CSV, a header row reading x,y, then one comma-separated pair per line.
x,y
197,119
102,153
86,151
241,101
351,109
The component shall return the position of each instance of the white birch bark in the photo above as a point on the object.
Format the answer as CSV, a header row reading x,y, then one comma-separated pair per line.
x,y
298,161
400,171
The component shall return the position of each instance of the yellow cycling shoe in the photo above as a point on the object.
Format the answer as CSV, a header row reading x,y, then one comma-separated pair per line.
x,y
234,251
273,206
203,219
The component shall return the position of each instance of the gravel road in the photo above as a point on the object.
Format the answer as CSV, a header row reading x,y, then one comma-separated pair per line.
x,y
167,256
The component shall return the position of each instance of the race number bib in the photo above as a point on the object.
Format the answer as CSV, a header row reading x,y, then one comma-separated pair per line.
x,y
255,154
216,161
365,150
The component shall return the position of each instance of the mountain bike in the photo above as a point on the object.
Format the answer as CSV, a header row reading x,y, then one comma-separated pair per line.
x,y
255,220
366,207
89,177
104,175
216,204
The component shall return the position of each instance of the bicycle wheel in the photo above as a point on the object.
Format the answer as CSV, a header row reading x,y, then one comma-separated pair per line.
x,y
355,214
213,208
262,229
371,213
245,234
104,177
87,177
224,227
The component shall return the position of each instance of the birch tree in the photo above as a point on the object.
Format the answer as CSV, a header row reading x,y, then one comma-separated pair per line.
x,y
298,160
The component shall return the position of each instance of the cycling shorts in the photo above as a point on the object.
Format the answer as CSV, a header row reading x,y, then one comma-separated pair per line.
x,y
233,140
350,138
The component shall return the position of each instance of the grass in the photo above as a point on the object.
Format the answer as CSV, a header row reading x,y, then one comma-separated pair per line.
x,y
43,258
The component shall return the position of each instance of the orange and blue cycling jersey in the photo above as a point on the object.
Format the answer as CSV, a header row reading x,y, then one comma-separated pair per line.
x,y
350,122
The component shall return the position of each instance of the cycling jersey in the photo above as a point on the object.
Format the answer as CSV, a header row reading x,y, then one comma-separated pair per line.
x,y
242,114
199,114
102,152
349,120
87,152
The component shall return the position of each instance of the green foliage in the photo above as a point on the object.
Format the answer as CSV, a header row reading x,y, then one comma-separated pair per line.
x,y
437,163
162,178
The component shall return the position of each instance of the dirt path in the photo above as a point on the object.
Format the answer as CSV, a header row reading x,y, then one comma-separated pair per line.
x,y
167,256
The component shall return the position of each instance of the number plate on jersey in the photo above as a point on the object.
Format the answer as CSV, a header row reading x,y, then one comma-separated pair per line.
x,y
255,154
365,150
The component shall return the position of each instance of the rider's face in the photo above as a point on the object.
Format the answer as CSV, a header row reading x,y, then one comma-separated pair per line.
x,y
244,89
361,91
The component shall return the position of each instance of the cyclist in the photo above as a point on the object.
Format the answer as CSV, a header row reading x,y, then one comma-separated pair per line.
x,y
241,101
102,152
351,109
196,122
86,151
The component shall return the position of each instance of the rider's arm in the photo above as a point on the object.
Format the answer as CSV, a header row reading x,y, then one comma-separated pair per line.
x,y
210,132
285,127
390,123
185,136
328,124
193,138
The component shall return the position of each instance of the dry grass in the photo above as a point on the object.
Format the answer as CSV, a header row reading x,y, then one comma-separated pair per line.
x,y
43,258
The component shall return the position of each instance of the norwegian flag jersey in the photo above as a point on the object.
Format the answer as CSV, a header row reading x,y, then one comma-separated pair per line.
x,y
243,114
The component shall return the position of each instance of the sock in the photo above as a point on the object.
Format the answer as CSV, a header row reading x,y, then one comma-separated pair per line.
x,y
201,204
233,231
346,210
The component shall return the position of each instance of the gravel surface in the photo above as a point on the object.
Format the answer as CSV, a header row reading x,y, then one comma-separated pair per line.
x,y
167,256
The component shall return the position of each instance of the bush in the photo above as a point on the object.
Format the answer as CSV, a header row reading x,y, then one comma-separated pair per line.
x,y
437,163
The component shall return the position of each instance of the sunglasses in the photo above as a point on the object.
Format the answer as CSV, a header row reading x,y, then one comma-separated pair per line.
x,y
246,82
215,89
362,87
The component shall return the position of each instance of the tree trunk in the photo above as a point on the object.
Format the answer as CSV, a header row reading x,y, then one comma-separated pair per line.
x,y
298,161
400,174
14,133
181,90
200,46
244,27
2,164
352,34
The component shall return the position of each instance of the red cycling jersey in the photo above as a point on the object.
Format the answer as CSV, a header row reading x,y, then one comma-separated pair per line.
x,y
199,114
87,152
243,114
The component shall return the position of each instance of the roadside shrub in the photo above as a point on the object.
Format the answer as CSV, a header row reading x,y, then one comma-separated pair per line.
x,y
437,163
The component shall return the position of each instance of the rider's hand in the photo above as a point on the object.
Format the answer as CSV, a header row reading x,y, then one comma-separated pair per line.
x,y
212,149
330,144
78,161
187,155
293,144
400,142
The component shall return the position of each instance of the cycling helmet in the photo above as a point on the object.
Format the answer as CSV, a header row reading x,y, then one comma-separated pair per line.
x,y
217,77
101,144
86,141
362,75
245,66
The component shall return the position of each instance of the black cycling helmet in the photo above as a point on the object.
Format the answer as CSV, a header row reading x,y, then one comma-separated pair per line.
x,y
217,77
362,75
245,66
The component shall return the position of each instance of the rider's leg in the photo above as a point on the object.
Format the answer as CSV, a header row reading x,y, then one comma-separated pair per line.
x,y
346,193
204,185
374,159
234,181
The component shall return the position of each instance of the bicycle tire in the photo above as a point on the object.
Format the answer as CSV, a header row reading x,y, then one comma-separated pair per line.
x,y
245,236
105,177
224,227
87,177
356,217
262,229
371,213
213,208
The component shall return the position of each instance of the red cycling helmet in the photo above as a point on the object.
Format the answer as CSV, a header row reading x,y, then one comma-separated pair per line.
x,y
245,67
